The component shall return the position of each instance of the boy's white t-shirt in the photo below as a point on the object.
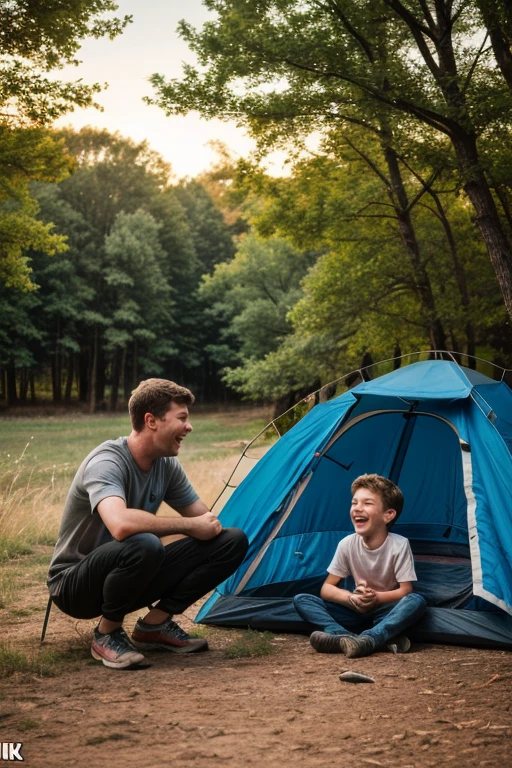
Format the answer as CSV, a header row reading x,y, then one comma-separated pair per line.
x,y
382,568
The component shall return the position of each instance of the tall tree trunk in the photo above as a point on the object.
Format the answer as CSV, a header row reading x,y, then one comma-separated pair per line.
x,y
12,393
487,216
56,377
93,371
459,127
56,369
501,45
460,277
23,384
69,377
114,380
398,196
32,385
122,373
83,375
100,376
135,365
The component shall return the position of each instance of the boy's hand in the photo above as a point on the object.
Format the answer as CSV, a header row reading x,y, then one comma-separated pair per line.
x,y
364,598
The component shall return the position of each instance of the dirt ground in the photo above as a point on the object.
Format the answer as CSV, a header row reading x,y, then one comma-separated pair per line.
x,y
436,706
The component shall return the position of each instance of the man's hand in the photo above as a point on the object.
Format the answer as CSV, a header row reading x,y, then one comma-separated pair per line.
x,y
204,526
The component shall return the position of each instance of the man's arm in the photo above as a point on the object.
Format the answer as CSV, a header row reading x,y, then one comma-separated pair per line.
x,y
196,521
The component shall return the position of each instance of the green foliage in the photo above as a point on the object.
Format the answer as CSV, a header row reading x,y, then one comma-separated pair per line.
x,y
124,293
409,73
362,292
25,155
38,37
251,296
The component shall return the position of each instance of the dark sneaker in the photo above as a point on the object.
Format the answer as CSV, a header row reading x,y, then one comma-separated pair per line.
x,y
354,647
168,636
399,644
115,650
323,642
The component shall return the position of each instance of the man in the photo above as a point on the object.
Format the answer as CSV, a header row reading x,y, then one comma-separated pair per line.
x,y
109,560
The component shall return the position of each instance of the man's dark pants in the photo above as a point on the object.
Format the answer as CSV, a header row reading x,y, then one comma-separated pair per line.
x,y
124,576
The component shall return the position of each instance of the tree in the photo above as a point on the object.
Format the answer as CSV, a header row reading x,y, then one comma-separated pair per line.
x,y
361,294
38,37
25,155
313,65
142,310
250,297
35,39
122,301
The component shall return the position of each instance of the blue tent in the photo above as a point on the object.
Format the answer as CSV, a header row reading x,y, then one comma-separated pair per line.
x,y
443,433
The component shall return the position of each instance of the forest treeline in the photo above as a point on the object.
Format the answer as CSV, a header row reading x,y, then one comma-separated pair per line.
x,y
390,232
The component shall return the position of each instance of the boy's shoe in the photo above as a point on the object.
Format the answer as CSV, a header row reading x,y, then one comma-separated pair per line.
x,y
115,650
399,644
354,647
323,642
351,645
168,636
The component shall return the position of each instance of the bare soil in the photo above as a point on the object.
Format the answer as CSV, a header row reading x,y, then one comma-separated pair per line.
x,y
436,706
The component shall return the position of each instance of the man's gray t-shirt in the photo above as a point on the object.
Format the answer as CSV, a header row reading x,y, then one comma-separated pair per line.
x,y
110,470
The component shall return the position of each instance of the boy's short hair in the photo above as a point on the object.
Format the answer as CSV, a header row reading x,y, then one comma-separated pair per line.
x,y
155,396
390,493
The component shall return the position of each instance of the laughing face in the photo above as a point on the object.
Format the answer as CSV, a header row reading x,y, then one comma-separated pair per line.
x,y
172,429
368,514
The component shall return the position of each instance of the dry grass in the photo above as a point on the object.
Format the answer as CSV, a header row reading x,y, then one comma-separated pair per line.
x,y
33,487
29,507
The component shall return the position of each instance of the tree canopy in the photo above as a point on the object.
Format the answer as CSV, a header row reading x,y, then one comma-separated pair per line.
x,y
286,69
37,37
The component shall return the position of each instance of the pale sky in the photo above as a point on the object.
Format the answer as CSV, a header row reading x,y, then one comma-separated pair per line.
x,y
150,44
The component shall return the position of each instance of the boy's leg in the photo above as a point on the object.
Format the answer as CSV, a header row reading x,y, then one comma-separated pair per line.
x,y
339,625
333,618
391,622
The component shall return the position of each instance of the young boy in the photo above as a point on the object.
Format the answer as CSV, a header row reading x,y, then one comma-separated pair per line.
x,y
381,564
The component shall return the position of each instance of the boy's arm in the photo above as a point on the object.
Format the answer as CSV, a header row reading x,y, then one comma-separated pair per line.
x,y
330,591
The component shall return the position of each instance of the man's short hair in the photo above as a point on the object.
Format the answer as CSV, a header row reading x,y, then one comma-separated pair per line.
x,y
391,495
155,396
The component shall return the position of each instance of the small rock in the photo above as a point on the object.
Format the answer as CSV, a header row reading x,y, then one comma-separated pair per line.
x,y
355,677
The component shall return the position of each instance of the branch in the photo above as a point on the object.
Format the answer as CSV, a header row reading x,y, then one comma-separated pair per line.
x,y
426,12
336,10
368,161
426,185
441,123
418,30
475,62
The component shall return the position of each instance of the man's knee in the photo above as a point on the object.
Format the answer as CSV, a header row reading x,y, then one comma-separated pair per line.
x,y
236,539
146,546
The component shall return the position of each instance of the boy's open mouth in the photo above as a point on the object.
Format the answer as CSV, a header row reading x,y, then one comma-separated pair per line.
x,y
359,519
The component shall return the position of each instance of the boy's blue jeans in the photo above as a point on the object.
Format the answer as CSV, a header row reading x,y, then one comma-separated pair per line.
x,y
383,624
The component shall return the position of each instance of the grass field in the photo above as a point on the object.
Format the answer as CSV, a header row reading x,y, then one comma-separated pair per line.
x,y
39,457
